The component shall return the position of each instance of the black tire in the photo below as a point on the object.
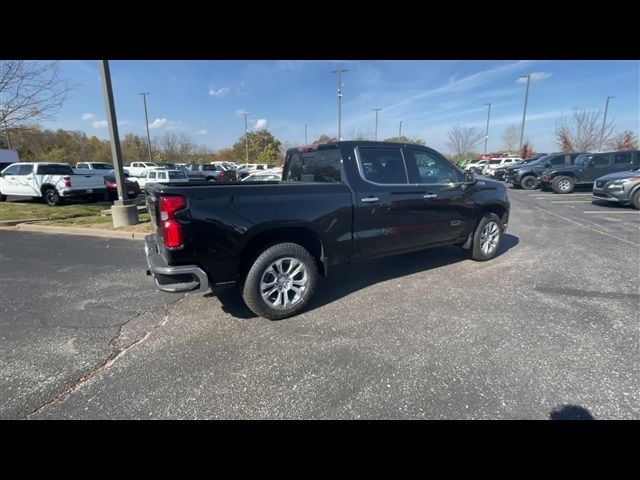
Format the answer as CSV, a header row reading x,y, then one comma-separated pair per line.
x,y
51,197
476,251
635,199
563,184
251,290
528,182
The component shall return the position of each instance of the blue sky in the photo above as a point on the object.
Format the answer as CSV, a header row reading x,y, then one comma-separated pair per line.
x,y
204,99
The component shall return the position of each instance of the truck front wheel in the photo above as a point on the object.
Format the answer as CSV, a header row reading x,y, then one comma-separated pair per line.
x,y
563,184
281,281
487,237
528,182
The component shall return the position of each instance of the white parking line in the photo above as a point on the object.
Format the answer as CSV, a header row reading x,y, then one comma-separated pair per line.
x,y
613,213
611,219
587,227
572,201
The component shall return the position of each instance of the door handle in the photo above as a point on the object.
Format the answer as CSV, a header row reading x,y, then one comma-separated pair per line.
x,y
429,195
369,199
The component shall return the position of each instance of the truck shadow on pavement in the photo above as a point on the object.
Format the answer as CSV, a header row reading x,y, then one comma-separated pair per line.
x,y
570,412
349,278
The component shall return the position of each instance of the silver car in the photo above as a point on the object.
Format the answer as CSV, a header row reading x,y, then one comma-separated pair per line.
x,y
619,187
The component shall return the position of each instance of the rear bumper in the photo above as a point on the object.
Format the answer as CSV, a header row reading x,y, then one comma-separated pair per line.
x,y
83,193
174,279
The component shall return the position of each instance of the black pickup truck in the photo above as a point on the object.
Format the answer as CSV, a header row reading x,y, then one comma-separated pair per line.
x,y
337,203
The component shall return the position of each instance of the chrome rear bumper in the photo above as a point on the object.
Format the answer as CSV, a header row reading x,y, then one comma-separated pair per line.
x,y
181,278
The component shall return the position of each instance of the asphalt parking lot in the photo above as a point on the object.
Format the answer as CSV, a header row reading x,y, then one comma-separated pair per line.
x,y
553,321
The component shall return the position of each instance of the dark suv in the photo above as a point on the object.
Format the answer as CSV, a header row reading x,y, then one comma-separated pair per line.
x,y
527,175
588,167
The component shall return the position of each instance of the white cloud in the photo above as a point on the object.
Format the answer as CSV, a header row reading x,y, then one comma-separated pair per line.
x,y
158,123
201,132
535,77
221,92
88,116
261,124
100,124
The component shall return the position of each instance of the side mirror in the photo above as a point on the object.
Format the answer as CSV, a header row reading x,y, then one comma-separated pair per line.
x,y
469,178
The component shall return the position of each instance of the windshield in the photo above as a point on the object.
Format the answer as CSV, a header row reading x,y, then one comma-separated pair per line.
x,y
495,162
581,160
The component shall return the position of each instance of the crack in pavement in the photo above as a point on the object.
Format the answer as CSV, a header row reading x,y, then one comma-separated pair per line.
x,y
111,359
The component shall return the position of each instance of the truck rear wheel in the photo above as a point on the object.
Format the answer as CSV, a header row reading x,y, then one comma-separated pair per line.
x,y
51,197
280,282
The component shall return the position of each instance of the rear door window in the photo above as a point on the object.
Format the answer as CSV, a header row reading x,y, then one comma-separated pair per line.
x,y
54,170
601,161
322,166
382,165
622,158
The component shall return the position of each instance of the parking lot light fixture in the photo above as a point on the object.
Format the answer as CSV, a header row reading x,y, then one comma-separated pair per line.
x,y
339,72
604,122
486,135
376,130
524,114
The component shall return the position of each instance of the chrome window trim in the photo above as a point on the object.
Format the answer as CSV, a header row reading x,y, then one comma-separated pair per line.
x,y
361,173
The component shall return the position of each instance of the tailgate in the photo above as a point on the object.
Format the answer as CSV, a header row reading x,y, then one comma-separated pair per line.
x,y
82,181
152,208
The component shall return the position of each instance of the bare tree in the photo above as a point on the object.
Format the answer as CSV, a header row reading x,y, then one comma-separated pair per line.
x,y
582,130
30,91
510,138
462,139
359,134
626,140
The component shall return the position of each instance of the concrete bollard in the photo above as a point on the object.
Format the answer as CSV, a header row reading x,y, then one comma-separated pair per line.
x,y
124,214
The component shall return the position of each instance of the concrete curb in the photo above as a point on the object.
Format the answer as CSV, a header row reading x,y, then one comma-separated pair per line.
x,y
90,232
12,223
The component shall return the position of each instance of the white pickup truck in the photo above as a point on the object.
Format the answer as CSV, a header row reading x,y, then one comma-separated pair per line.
x,y
54,182
136,168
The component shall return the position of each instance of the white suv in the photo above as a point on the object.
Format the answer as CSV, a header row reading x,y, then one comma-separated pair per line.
x,y
493,163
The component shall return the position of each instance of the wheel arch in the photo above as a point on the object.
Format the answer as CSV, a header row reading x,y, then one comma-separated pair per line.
x,y
301,235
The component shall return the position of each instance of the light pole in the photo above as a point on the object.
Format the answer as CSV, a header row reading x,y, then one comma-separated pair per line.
x,y
339,72
486,135
246,135
400,129
376,110
305,134
604,122
123,212
146,123
524,114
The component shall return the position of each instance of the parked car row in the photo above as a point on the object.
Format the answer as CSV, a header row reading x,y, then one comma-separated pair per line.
x,y
613,176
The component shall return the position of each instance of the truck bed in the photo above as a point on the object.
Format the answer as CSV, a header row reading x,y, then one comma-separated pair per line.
x,y
222,217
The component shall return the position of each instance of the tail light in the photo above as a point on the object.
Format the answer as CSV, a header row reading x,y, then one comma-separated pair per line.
x,y
221,176
171,229
110,184
67,182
